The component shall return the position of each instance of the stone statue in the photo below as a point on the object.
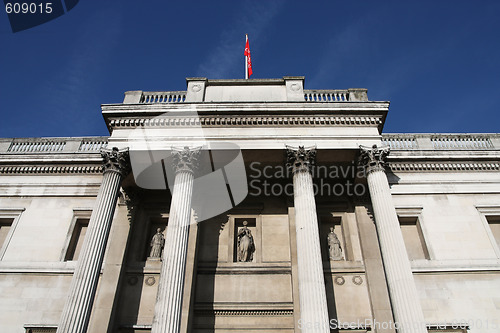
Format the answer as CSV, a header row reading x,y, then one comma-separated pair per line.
x,y
157,243
246,245
335,250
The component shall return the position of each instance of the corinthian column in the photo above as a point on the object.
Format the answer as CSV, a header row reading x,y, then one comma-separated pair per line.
x,y
312,295
403,292
76,312
167,317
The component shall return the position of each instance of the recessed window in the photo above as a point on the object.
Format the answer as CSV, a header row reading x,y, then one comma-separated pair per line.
x,y
77,238
413,238
9,218
490,217
494,224
5,226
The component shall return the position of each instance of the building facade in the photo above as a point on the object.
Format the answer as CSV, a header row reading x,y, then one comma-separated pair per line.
x,y
250,206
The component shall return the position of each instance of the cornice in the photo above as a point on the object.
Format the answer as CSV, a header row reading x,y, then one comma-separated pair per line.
x,y
247,107
245,121
443,166
38,169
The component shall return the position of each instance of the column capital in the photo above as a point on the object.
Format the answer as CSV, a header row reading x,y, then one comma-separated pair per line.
x,y
116,160
373,158
300,159
186,159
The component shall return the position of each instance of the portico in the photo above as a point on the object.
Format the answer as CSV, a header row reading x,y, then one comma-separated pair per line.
x,y
228,124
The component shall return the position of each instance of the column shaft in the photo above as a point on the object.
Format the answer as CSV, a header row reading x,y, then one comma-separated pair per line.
x,y
168,307
78,307
312,294
403,292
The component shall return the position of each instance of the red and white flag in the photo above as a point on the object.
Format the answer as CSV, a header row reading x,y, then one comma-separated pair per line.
x,y
248,60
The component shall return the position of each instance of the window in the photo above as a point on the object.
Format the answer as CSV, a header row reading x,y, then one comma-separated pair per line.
x,y
76,242
8,222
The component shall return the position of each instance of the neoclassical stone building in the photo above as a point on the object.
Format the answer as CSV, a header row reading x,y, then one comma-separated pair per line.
x,y
250,206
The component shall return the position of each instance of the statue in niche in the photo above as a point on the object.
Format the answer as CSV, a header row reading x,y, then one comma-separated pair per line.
x,y
334,248
246,245
157,243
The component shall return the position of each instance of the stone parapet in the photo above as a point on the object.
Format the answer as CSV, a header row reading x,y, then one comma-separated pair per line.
x,y
287,89
84,145
430,141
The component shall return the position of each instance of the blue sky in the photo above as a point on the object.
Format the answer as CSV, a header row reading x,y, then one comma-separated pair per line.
x,y
438,62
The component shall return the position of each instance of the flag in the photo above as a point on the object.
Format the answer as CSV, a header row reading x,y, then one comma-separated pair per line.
x,y
248,65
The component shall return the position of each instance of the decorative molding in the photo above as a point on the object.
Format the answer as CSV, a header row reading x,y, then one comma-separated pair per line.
x,y
236,268
449,166
339,280
132,280
150,280
242,121
300,159
40,328
51,169
116,160
231,313
373,158
357,280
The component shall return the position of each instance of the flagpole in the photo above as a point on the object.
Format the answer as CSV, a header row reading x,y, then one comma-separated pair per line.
x,y
246,59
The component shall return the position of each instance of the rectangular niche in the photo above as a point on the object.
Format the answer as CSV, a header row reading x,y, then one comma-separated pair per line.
x,y
9,218
413,238
242,244
5,227
326,223
76,242
154,223
76,234
494,224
